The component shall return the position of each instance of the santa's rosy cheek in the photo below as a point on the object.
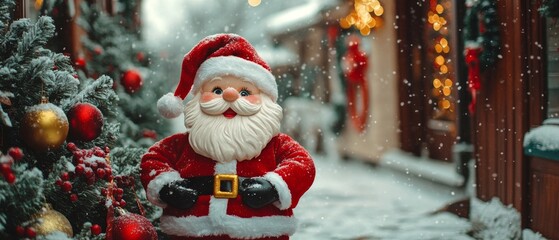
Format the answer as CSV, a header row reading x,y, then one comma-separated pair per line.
x,y
254,99
208,96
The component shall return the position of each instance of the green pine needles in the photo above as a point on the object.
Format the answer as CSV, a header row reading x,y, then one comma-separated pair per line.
x,y
550,8
481,27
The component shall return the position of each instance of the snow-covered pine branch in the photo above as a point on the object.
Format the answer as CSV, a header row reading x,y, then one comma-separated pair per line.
x,y
98,92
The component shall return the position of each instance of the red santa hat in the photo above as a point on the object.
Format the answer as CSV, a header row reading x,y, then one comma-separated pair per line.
x,y
213,56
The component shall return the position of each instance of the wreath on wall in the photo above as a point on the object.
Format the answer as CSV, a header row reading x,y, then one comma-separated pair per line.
x,y
482,42
355,64
549,8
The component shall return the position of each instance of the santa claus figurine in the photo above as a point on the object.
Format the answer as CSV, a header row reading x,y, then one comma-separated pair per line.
x,y
232,175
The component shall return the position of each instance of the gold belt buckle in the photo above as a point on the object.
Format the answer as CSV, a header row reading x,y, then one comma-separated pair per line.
x,y
219,178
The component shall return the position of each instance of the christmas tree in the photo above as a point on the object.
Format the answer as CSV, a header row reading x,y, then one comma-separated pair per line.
x,y
64,172
109,51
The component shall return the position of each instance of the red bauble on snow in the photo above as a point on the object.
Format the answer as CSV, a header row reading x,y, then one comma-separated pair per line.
x,y
133,226
131,80
86,122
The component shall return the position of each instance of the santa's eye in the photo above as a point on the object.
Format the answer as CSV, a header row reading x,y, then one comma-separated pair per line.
x,y
217,90
244,92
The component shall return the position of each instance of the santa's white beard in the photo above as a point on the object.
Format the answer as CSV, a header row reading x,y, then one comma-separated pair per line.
x,y
226,139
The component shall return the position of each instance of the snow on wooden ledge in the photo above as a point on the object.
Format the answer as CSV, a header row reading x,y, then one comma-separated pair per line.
x,y
437,171
543,141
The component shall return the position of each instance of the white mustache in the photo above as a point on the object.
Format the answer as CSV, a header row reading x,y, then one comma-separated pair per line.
x,y
241,106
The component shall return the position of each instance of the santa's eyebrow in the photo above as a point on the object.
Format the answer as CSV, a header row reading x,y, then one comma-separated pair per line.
x,y
247,80
215,79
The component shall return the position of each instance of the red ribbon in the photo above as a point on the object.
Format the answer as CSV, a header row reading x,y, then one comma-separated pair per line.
x,y
474,84
357,64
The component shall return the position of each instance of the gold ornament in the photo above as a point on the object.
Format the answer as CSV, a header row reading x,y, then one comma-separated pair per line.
x,y
44,126
49,221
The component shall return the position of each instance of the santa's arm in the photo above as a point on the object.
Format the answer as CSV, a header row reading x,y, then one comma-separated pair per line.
x,y
294,174
157,166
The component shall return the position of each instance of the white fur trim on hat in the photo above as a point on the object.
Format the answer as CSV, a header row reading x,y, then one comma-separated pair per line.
x,y
232,65
170,106
155,185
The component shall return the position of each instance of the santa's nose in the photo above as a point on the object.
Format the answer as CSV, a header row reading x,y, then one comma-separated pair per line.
x,y
230,94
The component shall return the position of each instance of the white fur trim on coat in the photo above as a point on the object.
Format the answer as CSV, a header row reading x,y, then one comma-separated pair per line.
x,y
231,65
283,190
218,222
236,227
155,185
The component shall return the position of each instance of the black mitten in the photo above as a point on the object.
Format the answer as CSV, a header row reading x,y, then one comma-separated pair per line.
x,y
178,195
258,192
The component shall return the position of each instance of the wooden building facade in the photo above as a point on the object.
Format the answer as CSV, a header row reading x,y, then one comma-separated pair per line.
x,y
517,96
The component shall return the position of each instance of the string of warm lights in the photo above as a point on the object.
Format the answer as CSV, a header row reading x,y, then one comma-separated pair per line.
x,y
361,17
38,4
254,3
442,83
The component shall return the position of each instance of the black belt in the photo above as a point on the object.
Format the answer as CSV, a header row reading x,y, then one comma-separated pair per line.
x,y
220,186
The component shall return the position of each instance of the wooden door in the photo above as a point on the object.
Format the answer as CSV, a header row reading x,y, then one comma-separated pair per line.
x,y
428,90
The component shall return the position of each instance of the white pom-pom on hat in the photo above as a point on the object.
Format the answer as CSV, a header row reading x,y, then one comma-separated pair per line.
x,y
220,54
170,106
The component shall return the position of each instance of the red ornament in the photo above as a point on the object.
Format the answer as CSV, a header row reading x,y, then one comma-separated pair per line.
x,y
98,50
140,56
16,153
73,197
86,122
80,63
5,168
20,231
66,186
100,173
10,178
131,80
80,169
96,229
30,233
149,134
133,226
65,176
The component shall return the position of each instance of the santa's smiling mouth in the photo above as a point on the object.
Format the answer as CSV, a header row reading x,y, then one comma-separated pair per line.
x,y
229,113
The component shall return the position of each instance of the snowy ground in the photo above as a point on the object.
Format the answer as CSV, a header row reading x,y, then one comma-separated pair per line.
x,y
353,200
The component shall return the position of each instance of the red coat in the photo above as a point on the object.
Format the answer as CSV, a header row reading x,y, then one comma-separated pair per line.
x,y
283,162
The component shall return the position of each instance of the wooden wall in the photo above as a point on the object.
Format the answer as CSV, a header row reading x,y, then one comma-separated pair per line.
x,y
411,76
543,182
510,102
